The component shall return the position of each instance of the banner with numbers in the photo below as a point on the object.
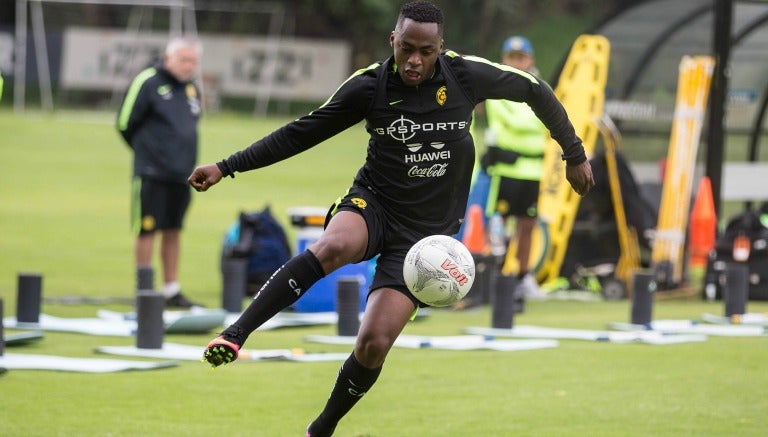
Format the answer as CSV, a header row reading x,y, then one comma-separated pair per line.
x,y
286,68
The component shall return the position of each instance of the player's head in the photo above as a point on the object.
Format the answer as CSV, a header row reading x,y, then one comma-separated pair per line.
x,y
417,40
182,56
517,51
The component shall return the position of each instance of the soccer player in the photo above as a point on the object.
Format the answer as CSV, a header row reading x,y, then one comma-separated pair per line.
x,y
158,120
417,106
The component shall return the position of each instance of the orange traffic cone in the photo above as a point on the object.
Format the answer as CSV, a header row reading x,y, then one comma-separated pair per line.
x,y
703,225
474,234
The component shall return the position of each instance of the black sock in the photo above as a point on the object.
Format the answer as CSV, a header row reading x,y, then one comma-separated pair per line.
x,y
283,288
353,382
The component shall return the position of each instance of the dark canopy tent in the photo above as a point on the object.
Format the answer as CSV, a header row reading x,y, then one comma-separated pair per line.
x,y
649,38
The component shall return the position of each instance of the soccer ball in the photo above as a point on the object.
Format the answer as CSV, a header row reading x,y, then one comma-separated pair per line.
x,y
439,270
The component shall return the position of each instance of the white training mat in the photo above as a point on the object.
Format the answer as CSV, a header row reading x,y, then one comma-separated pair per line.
x,y
457,342
317,357
20,338
116,324
660,338
331,339
68,364
574,295
174,351
287,319
193,321
291,319
758,319
471,342
638,336
693,327
92,326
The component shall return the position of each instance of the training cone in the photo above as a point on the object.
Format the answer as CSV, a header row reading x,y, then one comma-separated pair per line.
x,y
474,234
703,224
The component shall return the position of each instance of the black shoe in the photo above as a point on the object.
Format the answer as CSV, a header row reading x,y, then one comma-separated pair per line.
x,y
180,301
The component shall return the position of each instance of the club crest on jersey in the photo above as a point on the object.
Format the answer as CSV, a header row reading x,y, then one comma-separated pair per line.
x,y
441,95
360,203
165,92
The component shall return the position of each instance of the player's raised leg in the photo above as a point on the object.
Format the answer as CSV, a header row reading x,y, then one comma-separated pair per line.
x,y
344,241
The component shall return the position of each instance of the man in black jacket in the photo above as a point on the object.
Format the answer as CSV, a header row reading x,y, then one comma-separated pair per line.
x,y
417,106
158,119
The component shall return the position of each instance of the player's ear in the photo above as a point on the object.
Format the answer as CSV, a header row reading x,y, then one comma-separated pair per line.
x,y
392,39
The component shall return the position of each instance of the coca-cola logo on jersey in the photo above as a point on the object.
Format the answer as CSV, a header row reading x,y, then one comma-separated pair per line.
x,y
433,171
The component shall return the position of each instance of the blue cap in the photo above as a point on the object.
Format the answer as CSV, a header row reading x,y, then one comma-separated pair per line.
x,y
517,44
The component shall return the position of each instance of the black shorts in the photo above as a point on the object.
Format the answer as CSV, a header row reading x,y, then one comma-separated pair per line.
x,y
158,205
518,198
388,238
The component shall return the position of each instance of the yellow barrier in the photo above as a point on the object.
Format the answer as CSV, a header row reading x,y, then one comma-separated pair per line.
x,y
695,74
581,89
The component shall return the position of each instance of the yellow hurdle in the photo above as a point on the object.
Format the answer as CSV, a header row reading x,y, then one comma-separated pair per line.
x,y
581,89
695,74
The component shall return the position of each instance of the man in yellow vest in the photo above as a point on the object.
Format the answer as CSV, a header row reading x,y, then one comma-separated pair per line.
x,y
514,159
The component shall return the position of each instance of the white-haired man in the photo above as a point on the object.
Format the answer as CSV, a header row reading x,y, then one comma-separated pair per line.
x,y
158,120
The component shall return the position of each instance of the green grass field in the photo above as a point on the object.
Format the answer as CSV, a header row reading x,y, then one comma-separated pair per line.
x,y
64,208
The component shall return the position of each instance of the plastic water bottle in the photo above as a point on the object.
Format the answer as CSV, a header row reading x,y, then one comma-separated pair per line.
x,y
497,236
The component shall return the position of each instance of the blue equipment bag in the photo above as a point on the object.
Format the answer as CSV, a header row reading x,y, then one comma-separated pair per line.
x,y
260,238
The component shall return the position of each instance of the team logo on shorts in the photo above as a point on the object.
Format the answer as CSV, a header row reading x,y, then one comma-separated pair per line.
x,y
502,206
360,203
441,96
147,223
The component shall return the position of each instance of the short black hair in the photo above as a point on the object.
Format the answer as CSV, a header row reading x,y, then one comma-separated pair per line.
x,y
422,11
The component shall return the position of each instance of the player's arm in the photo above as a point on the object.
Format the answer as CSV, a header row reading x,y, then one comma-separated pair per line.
x,y
345,108
135,105
495,81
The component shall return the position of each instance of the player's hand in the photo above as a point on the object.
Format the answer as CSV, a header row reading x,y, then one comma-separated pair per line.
x,y
204,177
580,177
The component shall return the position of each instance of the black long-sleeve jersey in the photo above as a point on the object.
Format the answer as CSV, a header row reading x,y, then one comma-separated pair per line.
x,y
420,153
158,120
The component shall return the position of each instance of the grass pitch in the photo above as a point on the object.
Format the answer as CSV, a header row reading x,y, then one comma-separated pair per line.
x,y
64,213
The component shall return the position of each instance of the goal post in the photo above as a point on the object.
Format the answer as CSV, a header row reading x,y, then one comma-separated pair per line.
x,y
182,16
99,55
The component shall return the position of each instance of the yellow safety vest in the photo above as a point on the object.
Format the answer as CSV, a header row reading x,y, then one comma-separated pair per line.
x,y
513,127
